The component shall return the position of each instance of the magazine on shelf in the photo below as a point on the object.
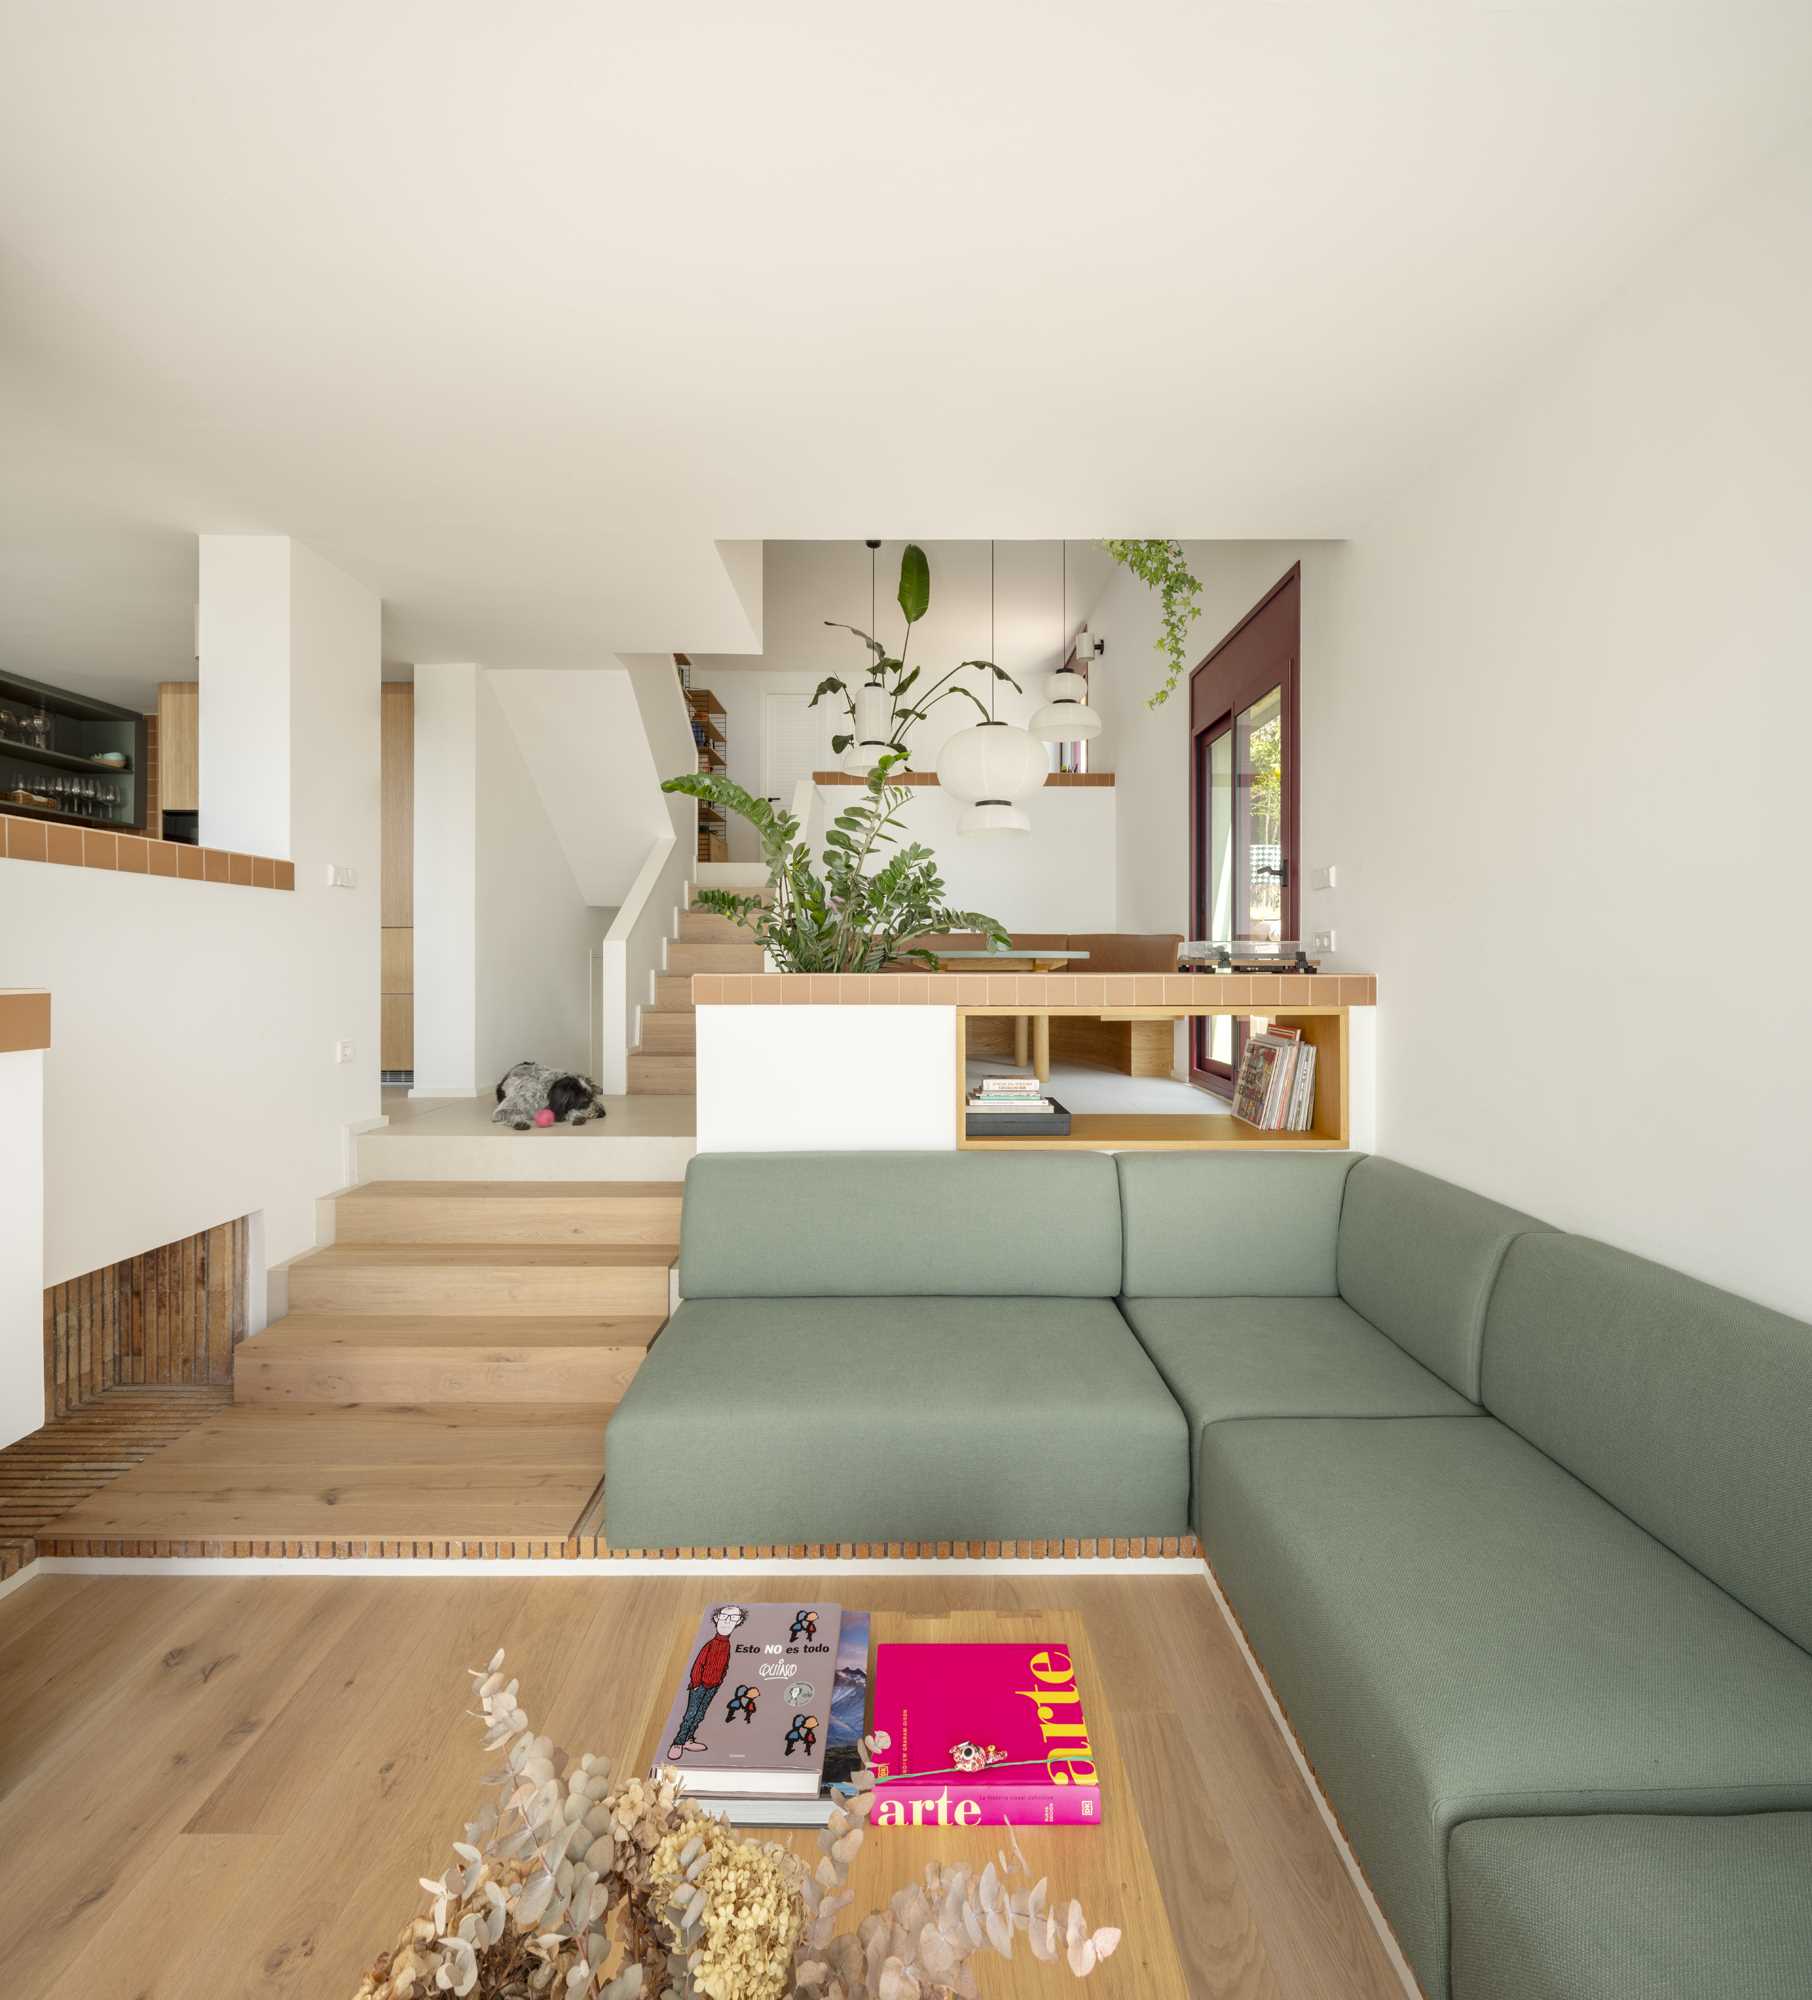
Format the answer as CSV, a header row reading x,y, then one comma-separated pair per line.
x,y
751,1714
982,1735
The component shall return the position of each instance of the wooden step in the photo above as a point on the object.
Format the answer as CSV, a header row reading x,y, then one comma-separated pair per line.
x,y
646,1212
720,956
380,1358
707,927
673,993
662,1075
584,1279
669,1034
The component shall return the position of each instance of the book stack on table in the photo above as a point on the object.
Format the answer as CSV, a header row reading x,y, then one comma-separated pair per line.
x,y
1004,1107
767,1727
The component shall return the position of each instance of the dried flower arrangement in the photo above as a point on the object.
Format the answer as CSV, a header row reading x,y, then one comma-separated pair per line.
x,y
587,1889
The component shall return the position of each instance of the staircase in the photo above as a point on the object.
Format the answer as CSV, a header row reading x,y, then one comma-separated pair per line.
x,y
462,1292
661,1063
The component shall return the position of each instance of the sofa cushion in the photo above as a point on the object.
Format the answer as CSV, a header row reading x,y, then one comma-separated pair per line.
x,y
1230,1358
1633,1906
900,1225
1685,1406
1230,1225
1127,951
873,1420
1459,1630
1418,1257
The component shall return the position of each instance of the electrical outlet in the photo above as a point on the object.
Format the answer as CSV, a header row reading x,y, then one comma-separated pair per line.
x,y
1322,941
343,1052
341,877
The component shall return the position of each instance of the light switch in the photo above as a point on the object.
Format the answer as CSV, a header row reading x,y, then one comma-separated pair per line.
x,y
343,1052
341,877
1323,878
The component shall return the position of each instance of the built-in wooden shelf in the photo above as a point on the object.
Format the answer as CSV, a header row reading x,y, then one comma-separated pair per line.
x,y
1325,1027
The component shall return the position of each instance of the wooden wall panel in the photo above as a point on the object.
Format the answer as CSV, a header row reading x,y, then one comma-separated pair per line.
x,y
173,1315
178,746
397,828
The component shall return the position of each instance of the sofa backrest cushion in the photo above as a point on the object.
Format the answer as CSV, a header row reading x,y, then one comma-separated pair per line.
x,y
900,1225
1126,951
1687,1408
1230,1225
1418,1257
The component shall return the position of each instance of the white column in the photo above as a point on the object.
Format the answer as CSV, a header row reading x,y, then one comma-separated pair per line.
x,y
446,881
246,658
22,1244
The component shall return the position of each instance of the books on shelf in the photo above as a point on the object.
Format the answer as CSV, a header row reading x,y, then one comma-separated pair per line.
x,y
752,1713
982,1735
1275,1089
1008,1093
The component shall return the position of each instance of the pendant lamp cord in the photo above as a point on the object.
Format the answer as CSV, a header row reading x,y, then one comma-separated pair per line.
x,y
993,679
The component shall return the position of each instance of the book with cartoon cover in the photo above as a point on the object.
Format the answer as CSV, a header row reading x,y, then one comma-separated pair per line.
x,y
752,1712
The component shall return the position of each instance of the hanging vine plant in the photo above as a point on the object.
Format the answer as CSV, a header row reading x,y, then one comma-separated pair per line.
x,y
1164,567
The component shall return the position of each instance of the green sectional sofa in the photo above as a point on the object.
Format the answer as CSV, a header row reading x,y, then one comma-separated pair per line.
x,y
1519,1526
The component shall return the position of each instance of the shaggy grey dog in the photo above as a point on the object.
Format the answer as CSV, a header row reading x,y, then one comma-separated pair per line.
x,y
532,1087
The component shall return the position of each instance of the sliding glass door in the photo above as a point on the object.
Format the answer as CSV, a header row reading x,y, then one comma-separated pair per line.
x,y
1243,802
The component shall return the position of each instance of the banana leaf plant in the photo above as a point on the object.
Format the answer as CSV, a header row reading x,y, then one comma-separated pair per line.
x,y
840,912
883,709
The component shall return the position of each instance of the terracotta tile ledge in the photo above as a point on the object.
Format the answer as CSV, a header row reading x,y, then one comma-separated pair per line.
x,y
1034,989
137,854
24,1018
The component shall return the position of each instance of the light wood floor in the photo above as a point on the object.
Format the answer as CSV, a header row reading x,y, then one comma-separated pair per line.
x,y
520,1471
229,1787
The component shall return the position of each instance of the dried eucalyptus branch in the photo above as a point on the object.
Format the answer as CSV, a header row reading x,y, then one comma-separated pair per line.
x,y
584,1889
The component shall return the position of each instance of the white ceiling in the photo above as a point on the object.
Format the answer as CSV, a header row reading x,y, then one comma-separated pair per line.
x,y
518,312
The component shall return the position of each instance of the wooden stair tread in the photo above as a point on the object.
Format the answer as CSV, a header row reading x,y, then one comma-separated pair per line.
x,y
475,1330
551,1256
559,1191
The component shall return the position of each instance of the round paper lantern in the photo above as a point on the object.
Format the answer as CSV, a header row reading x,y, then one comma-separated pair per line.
x,y
1066,717
990,768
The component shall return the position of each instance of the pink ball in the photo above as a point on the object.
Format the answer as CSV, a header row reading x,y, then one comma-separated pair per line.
x,y
544,1116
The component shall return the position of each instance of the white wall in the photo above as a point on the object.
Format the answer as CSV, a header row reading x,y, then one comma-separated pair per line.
x,y
192,1074
535,932
22,1244
243,646
503,932
1555,704
446,880
751,1061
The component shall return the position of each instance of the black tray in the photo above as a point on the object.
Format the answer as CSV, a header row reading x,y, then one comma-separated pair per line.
x,y
1053,1124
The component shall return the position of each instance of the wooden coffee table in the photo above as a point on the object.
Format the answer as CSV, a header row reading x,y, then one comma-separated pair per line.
x,y
1107,1867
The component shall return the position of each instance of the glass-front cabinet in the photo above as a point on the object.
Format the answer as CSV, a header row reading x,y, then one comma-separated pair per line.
x,y
66,756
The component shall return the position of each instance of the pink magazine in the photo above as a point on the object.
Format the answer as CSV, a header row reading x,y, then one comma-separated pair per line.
x,y
982,1735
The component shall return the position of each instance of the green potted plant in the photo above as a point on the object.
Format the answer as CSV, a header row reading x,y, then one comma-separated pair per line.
x,y
840,912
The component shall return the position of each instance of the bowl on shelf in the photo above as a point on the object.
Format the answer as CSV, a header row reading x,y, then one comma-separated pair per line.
x,y
113,760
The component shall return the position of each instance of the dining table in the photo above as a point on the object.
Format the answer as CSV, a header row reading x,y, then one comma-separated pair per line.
x,y
1031,1032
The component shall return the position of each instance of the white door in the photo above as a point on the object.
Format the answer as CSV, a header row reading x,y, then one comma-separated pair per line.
x,y
791,732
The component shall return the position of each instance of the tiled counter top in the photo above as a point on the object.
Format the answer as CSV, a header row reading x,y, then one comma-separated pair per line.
x,y
1039,990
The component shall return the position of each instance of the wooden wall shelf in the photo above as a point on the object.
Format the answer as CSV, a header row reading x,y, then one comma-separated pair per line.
x,y
1149,1131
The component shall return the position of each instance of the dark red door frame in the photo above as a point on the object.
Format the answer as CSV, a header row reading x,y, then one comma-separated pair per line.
x,y
1261,652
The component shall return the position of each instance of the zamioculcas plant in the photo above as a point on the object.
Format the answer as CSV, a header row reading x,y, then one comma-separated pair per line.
x,y
841,913
884,707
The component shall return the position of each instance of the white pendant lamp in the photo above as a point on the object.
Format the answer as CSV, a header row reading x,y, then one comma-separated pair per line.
x,y
992,765
874,706
1066,717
